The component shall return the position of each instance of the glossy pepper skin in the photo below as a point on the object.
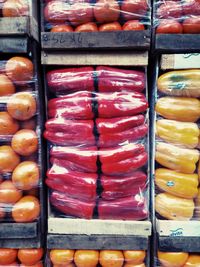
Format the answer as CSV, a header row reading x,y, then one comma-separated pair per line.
x,y
86,157
71,79
128,208
182,133
120,124
73,106
116,80
133,134
179,159
174,208
180,83
176,183
117,187
71,206
184,109
118,104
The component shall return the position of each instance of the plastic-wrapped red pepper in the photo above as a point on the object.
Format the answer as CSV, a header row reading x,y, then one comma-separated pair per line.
x,y
116,125
115,80
71,206
71,79
118,187
126,165
127,208
86,157
119,153
70,139
118,104
136,133
74,106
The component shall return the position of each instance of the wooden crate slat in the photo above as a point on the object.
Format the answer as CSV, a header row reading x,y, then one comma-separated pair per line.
x,y
13,45
18,230
20,243
180,61
179,244
18,25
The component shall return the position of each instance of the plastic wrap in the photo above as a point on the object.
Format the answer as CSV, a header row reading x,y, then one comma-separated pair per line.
x,y
20,146
97,132
177,17
21,257
103,258
177,259
12,8
177,145
99,15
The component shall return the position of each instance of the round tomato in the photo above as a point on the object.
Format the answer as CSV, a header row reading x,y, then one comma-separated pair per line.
x,y
6,86
191,25
62,28
169,26
111,258
172,259
134,256
8,159
133,25
169,10
86,258
110,27
30,256
81,13
61,256
7,256
106,11
9,194
193,261
57,11
87,27
134,9
9,126
15,8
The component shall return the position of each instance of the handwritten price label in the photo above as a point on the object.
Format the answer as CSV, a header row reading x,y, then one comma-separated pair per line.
x,y
185,61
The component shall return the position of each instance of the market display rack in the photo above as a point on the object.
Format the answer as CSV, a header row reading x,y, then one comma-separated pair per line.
x,y
31,235
171,235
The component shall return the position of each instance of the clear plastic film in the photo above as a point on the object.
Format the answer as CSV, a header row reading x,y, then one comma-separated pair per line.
x,y
177,145
10,8
103,258
93,16
178,259
97,132
177,17
19,141
21,257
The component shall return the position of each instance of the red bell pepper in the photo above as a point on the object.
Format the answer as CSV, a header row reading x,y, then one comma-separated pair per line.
x,y
71,79
127,208
86,157
120,104
118,153
118,187
74,106
126,165
69,139
136,133
115,80
71,206
116,125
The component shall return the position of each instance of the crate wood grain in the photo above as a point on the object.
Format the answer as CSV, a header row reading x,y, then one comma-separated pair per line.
x,y
180,61
20,243
119,39
13,45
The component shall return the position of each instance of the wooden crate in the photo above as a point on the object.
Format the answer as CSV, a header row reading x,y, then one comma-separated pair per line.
x,y
16,26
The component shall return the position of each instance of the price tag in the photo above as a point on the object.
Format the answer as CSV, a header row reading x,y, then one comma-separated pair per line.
x,y
185,61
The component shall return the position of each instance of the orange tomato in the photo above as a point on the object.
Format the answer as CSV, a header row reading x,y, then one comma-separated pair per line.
x,y
9,194
110,27
30,256
61,256
19,69
172,259
7,255
106,11
25,142
9,126
6,86
169,26
87,27
111,258
133,25
22,106
15,8
27,209
132,9
29,124
38,264
80,13
62,28
191,25
8,159
134,256
86,258
193,261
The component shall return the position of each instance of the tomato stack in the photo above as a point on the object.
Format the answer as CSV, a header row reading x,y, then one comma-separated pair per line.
x,y
93,258
98,146
100,15
177,142
19,142
175,17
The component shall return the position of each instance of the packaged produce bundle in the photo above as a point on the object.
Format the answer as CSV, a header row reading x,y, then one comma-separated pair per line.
x,y
98,15
97,131
15,8
20,141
